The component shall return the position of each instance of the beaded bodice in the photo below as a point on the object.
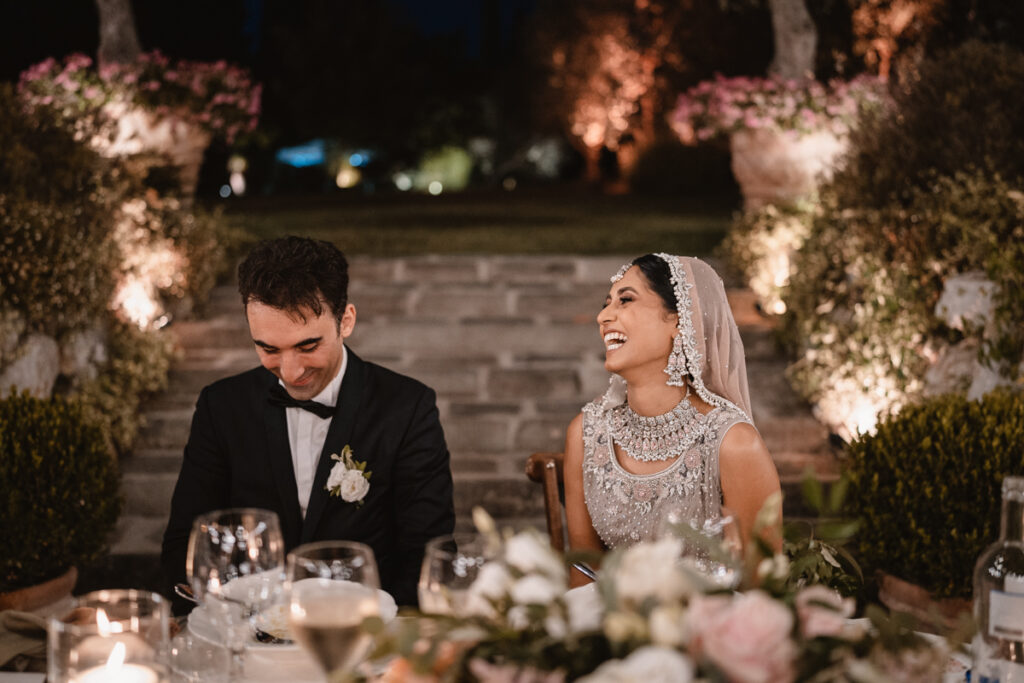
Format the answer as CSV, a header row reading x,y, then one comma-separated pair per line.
x,y
628,508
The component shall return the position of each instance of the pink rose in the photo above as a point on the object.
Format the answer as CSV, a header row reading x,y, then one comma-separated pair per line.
x,y
822,611
749,639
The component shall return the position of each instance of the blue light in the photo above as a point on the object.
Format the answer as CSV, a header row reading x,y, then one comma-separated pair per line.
x,y
356,159
302,156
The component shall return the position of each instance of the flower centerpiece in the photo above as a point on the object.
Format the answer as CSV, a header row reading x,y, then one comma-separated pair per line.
x,y
149,106
648,617
784,134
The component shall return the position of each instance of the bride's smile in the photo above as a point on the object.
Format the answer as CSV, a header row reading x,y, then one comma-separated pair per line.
x,y
636,327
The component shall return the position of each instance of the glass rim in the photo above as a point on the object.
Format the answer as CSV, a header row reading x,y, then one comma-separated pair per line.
x,y
299,550
239,512
157,607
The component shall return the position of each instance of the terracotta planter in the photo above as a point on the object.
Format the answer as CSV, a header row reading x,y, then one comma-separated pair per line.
x,y
32,598
934,615
153,140
772,166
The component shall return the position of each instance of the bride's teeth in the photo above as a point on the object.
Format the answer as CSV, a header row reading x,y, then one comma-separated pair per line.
x,y
614,340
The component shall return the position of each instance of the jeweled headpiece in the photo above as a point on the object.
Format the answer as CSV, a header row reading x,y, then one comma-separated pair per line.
x,y
707,347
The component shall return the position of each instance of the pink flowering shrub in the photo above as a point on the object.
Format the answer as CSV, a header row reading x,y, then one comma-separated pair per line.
x,y
219,97
725,105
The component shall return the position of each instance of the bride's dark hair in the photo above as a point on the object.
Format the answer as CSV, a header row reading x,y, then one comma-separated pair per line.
x,y
658,276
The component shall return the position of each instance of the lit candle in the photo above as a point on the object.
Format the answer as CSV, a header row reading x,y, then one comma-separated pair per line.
x,y
126,673
116,671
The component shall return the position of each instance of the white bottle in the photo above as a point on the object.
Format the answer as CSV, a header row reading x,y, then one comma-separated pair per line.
x,y
998,647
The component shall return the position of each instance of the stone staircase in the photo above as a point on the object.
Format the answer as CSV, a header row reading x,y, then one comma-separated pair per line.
x,y
508,342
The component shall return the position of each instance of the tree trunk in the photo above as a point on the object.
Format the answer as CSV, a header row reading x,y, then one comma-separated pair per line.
x,y
796,39
119,42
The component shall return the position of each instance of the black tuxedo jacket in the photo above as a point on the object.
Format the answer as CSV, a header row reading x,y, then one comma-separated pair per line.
x,y
238,455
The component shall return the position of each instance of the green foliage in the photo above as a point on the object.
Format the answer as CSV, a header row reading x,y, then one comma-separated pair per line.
x,y
966,107
59,487
927,487
57,262
72,226
817,548
861,302
44,162
138,366
761,244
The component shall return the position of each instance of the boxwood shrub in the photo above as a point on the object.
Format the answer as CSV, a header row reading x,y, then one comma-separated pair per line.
x,y
59,495
927,487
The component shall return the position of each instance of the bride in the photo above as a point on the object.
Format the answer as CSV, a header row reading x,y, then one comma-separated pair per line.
x,y
673,435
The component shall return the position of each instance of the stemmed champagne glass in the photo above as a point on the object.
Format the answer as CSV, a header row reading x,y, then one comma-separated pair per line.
x,y
235,565
333,587
450,566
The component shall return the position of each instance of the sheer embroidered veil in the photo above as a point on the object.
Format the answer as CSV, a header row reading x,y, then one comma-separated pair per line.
x,y
715,362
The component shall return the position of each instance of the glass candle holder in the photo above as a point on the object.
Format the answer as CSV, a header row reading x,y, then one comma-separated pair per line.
x,y
114,636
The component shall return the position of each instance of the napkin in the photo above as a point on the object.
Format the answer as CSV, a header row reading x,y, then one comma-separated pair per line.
x,y
22,641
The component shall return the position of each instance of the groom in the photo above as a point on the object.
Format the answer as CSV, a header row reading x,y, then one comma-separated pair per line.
x,y
265,438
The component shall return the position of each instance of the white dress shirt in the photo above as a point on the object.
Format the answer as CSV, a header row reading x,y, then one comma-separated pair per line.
x,y
307,433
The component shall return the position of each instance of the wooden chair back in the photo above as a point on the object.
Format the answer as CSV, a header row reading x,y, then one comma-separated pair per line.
x,y
546,469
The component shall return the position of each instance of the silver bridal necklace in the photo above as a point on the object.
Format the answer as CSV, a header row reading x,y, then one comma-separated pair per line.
x,y
657,438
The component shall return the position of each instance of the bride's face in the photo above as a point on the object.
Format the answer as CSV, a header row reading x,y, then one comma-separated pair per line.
x,y
636,327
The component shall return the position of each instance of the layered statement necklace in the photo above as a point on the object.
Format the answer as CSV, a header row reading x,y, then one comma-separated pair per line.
x,y
657,438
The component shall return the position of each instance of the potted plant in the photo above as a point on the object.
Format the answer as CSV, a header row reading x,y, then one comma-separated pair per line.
x,y
784,135
152,109
926,487
59,485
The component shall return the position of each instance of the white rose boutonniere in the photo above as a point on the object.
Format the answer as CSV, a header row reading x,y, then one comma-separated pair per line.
x,y
348,478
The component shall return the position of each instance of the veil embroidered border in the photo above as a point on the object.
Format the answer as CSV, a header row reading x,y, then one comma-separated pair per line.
x,y
712,346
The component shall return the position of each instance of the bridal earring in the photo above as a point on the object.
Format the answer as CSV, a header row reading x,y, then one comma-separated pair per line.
x,y
676,363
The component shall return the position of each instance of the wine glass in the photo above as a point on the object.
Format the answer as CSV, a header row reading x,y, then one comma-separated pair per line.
x,y
450,566
235,565
711,547
333,587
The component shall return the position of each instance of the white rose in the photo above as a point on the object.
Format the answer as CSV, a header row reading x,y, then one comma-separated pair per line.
x,y
650,664
529,553
651,570
353,486
554,626
667,626
336,476
518,618
585,608
492,581
623,626
534,589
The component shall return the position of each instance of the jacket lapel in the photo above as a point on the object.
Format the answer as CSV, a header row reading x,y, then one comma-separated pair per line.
x,y
338,434
280,454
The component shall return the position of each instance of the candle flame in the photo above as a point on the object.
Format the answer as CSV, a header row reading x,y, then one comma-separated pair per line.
x,y
116,658
102,623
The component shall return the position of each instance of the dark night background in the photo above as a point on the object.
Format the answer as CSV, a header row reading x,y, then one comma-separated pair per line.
x,y
405,76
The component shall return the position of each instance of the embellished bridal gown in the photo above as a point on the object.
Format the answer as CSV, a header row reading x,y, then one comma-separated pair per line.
x,y
627,508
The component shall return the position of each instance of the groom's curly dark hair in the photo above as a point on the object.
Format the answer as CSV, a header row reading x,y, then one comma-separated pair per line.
x,y
295,274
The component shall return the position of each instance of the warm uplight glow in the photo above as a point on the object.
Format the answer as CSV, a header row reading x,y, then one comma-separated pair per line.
x,y
147,268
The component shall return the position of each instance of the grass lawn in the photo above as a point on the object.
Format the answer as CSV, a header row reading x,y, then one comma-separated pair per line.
x,y
567,219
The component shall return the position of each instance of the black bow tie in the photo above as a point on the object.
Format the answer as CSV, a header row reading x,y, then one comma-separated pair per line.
x,y
280,397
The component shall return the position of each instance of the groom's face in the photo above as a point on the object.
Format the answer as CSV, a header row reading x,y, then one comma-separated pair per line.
x,y
303,350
